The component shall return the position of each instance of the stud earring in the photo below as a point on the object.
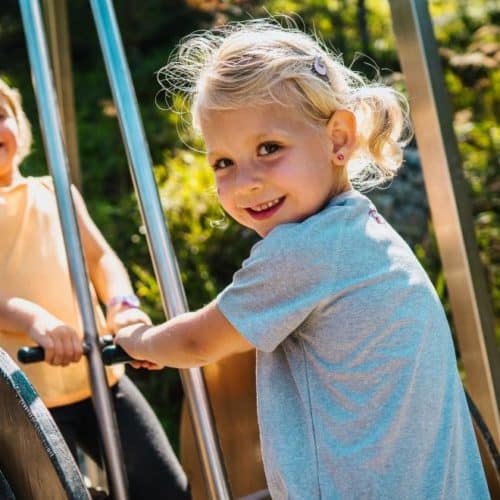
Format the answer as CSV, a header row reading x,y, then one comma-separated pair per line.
x,y
340,157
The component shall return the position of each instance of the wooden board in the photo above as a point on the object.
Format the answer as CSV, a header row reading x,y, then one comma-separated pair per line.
x,y
231,389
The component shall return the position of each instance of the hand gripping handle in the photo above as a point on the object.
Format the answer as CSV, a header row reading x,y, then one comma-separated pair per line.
x,y
36,354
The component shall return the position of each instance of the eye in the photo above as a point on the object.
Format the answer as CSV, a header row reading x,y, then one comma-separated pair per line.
x,y
222,164
267,148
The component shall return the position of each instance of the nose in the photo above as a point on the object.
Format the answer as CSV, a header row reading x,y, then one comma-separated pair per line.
x,y
248,179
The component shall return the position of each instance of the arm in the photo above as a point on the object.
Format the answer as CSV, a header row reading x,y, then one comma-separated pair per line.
x,y
107,272
189,340
60,341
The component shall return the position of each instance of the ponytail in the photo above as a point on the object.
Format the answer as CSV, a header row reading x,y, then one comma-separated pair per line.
x,y
383,130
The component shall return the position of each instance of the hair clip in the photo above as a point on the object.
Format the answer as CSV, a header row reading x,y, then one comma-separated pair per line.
x,y
319,68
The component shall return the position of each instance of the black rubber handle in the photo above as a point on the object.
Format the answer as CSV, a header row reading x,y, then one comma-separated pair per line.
x,y
36,354
113,354
106,340
30,354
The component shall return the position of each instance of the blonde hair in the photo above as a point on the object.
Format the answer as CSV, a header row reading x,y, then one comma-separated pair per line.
x,y
259,62
25,138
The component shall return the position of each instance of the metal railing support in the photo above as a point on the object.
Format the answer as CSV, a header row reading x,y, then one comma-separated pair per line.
x,y
56,16
160,246
58,164
450,205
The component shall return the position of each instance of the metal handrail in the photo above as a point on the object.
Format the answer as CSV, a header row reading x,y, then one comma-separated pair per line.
x,y
160,246
58,166
450,205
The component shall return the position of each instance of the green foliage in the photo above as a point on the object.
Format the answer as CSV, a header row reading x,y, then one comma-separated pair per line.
x,y
472,73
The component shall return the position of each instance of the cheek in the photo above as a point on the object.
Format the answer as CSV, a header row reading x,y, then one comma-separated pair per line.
x,y
10,135
223,192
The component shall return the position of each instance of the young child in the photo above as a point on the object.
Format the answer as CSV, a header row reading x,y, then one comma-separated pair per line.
x,y
37,305
358,390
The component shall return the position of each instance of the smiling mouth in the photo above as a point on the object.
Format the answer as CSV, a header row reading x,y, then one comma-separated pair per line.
x,y
265,210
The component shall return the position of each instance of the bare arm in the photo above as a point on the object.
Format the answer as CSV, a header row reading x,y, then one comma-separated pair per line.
x,y
60,342
189,340
16,314
106,270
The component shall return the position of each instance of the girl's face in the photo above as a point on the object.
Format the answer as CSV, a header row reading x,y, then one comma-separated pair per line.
x,y
9,134
272,166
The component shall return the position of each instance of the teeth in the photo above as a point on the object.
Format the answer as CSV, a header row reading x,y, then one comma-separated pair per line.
x,y
266,206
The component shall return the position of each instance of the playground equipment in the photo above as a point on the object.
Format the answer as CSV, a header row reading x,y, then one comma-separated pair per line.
x,y
35,462
450,211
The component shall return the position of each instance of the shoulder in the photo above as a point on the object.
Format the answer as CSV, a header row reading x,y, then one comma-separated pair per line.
x,y
322,230
42,190
44,182
308,250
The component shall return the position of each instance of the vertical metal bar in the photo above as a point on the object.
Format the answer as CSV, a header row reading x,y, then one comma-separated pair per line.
x,y
160,246
53,139
56,16
450,205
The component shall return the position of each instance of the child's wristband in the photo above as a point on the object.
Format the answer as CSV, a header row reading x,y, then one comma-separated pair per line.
x,y
131,301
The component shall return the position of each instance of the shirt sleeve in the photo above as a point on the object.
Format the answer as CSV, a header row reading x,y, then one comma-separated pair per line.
x,y
274,292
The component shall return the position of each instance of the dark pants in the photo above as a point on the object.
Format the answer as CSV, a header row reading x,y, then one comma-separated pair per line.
x,y
153,470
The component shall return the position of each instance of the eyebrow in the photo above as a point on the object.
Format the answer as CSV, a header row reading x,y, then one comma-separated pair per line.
x,y
274,131
212,155
260,137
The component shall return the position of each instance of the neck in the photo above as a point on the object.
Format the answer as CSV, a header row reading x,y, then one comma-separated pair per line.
x,y
13,176
341,185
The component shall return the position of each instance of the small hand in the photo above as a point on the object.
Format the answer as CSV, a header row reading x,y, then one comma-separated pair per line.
x,y
61,343
122,316
130,339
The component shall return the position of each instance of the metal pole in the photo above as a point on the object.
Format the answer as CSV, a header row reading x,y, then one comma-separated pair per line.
x,y
450,205
58,163
56,15
160,246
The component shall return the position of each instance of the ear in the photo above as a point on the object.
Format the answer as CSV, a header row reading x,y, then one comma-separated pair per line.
x,y
341,129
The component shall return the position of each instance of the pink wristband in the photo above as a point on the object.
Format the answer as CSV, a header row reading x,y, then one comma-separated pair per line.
x,y
126,300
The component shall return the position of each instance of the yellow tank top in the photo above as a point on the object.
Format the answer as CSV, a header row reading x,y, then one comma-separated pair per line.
x,y
33,266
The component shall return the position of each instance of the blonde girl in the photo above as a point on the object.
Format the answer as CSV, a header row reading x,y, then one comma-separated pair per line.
x,y
357,386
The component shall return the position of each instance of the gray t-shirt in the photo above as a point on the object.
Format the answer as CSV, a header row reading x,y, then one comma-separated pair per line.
x,y
358,391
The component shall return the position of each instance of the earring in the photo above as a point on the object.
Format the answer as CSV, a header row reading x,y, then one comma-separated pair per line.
x,y
340,157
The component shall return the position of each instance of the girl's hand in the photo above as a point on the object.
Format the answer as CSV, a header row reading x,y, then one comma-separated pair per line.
x,y
60,342
130,339
121,316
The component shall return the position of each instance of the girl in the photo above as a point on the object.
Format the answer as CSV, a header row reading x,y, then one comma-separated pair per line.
x,y
37,305
358,390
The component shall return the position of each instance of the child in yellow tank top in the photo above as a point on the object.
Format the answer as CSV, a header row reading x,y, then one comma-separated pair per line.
x,y
37,306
